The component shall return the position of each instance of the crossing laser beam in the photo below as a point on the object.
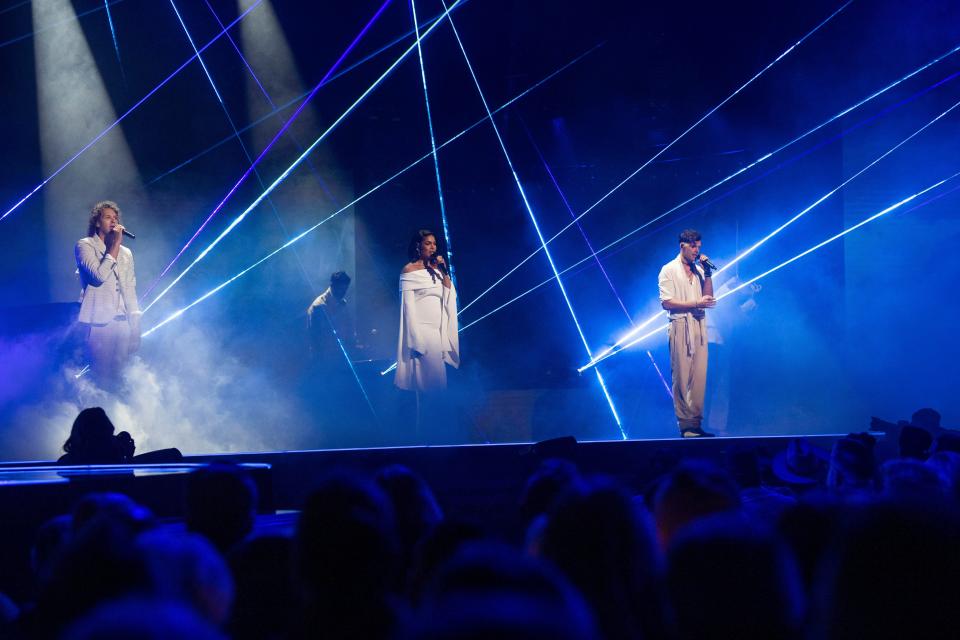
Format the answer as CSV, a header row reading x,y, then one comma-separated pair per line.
x,y
663,150
125,114
746,252
783,264
763,158
433,146
367,193
251,168
533,220
293,101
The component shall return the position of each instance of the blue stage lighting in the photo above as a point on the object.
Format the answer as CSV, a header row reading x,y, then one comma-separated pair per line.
x,y
113,34
594,362
373,189
663,150
125,114
533,219
629,234
743,254
433,145
263,153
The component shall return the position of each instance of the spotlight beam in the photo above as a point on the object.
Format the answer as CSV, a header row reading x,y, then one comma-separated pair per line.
x,y
533,220
233,127
664,149
113,34
125,114
743,254
294,101
370,191
27,36
624,237
785,263
263,153
433,144
283,176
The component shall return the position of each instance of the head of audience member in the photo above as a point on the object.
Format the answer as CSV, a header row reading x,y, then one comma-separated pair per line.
x,y
346,556
852,466
947,441
221,504
892,574
948,464
603,542
185,567
551,480
808,528
801,465
100,562
115,507
728,578
51,538
694,490
266,603
415,508
339,283
926,419
491,590
91,440
142,619
914,442
909,478
436,549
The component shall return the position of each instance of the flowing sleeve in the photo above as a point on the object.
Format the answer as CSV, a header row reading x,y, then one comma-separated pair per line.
x,y
128,285
449,328
93,269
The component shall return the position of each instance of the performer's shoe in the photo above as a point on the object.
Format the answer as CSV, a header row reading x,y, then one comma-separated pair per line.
x,y
695,432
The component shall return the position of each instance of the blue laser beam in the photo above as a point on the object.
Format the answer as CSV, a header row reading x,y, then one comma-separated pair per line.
x,y
746,252
663,150
251,168
113,34
433,146
293,101
763,158
533,220
370,191
233,127
286,173
27,36
125,114
865,221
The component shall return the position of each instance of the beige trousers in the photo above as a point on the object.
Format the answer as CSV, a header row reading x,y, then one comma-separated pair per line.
x,y
108,347
688,366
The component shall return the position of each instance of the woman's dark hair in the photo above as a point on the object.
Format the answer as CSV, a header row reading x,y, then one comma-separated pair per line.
x,y
413,249
91,428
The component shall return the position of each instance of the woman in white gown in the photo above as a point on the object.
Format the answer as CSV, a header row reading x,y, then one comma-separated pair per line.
x,y
428,338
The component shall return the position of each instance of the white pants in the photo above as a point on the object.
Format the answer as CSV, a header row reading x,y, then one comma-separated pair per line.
x,y
108,346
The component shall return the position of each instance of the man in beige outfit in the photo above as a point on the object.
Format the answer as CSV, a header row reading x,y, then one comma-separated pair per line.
x,y
686,290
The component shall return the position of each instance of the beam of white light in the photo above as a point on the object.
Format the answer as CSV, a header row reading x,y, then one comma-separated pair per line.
x,y
594,362
536,226
296,163
433,146
746,252
636,230
116,122
370,191
661,152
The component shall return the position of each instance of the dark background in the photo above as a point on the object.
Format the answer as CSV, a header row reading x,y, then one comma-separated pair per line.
x,y
864,326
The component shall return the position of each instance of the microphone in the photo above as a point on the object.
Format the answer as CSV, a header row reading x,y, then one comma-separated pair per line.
x,y
129,235
710,265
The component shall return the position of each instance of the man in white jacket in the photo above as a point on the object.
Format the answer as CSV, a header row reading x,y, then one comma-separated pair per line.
x,y
109,312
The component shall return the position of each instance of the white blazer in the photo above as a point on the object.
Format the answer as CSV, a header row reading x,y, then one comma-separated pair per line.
x,y
108,285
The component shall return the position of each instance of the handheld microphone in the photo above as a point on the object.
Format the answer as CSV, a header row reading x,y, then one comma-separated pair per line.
x,y
709,264
129,235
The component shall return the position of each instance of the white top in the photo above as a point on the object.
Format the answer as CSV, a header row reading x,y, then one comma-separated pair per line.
x,y
109,284
676,285
428,325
